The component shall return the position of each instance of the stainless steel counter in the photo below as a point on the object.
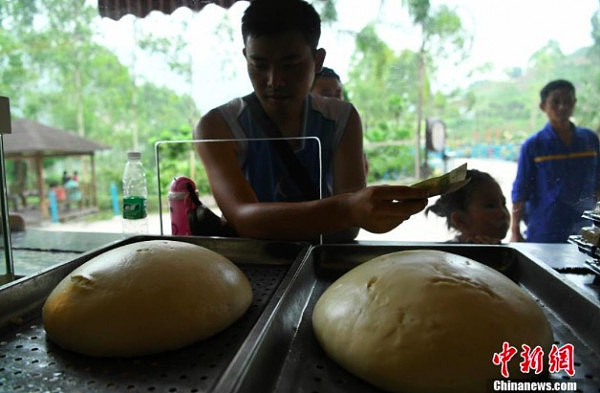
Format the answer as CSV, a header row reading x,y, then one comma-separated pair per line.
x,y
278,353
567,260
63,241
559,256
35,250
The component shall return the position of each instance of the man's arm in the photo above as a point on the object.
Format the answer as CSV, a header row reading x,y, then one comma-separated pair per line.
x,y
377,209
516,217
522,188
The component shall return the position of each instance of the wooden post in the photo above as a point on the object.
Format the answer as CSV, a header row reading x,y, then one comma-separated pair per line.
x,y
41,189
93,187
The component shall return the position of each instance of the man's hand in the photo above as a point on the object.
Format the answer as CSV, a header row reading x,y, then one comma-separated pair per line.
x,y
517,237
517,216
379,209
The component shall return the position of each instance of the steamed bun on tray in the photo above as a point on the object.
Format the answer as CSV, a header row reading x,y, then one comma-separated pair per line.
x,y
427,321
144,298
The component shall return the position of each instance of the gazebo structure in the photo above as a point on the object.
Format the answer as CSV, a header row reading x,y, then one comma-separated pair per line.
x,y
32,141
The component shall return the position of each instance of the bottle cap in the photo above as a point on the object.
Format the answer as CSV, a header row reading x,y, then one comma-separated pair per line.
x,y
134,155
181,184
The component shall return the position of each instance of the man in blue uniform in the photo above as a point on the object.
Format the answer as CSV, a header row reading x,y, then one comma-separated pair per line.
x,y
271,190
558,174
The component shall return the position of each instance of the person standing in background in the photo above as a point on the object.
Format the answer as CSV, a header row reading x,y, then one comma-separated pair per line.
x,y
73,193
558,173
328,84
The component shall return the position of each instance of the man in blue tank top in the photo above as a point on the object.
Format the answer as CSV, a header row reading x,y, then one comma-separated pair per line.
x,y
266,182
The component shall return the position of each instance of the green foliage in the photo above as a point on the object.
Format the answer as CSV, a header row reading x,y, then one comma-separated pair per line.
x,y
378,72
383,86
595,20
389,163
510,107
418,10
177,157
55,73
444,33
377,134
401,83
387,131
327,10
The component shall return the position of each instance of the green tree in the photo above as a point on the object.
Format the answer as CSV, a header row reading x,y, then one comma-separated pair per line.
x,y
371,65
56,73
69,80
382,86
441,32
508,109
177,54
326,10
376,71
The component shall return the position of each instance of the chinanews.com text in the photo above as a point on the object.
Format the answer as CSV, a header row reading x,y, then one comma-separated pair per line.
x,y
514,386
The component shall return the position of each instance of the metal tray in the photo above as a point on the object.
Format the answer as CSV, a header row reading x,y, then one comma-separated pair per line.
x,y
592,215
31,363
288,359
587,248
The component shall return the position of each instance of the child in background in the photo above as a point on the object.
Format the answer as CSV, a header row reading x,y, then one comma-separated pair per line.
x,y
476,211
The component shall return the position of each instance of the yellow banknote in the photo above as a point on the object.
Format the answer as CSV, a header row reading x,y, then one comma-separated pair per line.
x,y
448,182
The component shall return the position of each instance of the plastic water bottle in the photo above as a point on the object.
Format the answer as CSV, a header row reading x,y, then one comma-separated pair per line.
x,y
135,194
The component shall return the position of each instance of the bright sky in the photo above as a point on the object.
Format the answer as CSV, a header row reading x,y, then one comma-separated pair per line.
x,y
506,33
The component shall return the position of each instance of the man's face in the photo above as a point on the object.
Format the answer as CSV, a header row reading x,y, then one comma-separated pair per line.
x,y
559,105
281,68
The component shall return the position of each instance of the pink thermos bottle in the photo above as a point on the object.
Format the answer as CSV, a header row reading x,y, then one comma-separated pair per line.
x,y
180,203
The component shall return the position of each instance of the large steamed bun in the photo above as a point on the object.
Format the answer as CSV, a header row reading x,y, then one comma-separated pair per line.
x,y
427,321
144,298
